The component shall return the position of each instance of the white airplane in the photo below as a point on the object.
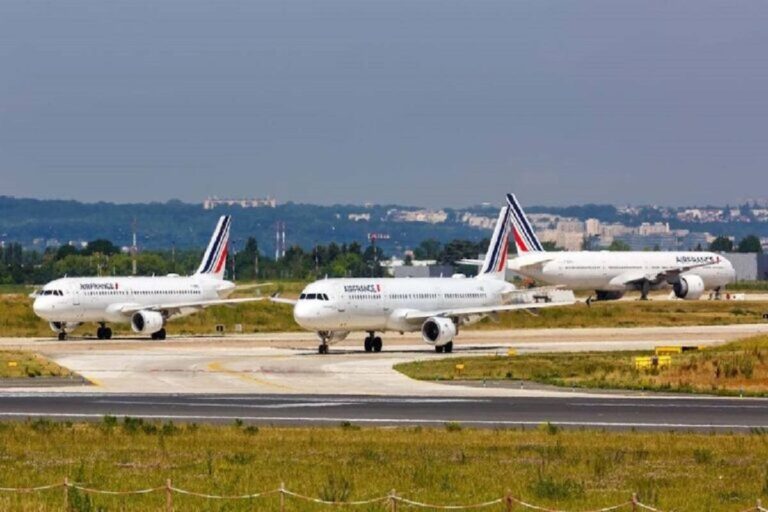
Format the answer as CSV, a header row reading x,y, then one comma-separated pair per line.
x,y
147,303
435,306
611,274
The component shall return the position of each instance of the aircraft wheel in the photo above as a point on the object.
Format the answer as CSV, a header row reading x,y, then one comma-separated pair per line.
x,y
100,333
322,349
377,344
62,336
107,333
368,344
448,347
439,349
161,334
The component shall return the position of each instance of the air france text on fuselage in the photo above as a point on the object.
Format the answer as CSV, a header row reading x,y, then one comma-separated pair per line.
x,y
99,286
362,288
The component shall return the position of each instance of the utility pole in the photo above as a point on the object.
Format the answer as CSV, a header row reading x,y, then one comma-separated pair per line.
x,y
134,249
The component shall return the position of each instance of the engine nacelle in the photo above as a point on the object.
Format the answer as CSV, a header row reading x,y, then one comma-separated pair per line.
x,y
689,287
147,322
438,331
65,327
332,336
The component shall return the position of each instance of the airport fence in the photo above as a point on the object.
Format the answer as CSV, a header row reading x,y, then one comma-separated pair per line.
x,y
391,501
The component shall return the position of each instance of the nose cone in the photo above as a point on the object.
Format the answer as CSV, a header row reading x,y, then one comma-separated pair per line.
x,y
312,314
302,313
42,307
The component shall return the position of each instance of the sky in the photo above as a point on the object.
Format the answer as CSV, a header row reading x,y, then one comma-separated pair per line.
x,y
430,103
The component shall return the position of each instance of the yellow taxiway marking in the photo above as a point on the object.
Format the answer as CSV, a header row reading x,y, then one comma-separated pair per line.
x,y
218,367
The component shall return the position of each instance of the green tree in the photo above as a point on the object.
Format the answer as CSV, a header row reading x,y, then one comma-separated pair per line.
x,y
429,249
66,250
619,245
750,244
721,244
101,246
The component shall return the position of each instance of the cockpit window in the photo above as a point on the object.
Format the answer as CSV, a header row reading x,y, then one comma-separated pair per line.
x,y
313,296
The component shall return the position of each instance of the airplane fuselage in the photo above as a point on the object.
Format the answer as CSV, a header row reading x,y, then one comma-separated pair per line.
x,y
100,299
603,270
382,304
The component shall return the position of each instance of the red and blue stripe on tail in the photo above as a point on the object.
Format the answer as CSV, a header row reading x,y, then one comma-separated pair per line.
x,y
525,238
495,264
215,257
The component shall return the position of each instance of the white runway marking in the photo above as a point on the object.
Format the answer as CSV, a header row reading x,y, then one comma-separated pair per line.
x,y
657,405
244,406
384,421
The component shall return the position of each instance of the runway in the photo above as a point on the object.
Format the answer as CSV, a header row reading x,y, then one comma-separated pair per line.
x,y
280,379
479,412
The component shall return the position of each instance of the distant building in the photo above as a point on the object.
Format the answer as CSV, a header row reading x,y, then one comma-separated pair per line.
x,y
749,266
212,202
423,271
428,216
357,217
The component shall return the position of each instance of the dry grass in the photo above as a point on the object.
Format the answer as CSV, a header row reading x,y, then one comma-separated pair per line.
x,y
575,470
735,368
17,365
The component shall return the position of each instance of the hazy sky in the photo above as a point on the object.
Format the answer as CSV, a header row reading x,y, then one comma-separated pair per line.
x,y
418,102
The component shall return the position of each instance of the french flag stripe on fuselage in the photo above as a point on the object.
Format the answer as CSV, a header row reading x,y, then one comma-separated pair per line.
x,y
216,249
522,226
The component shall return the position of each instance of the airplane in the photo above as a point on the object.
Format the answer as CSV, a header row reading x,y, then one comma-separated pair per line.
x,y
147,303
437,307
611,274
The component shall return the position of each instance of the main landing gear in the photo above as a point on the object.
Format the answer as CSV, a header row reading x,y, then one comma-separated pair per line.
x,y
104,332
159,335
373,343
447,348
62,336
645,288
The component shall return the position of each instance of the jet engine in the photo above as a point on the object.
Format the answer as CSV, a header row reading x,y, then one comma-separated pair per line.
x,y
147,322
689,287
438,331
332,336
65,327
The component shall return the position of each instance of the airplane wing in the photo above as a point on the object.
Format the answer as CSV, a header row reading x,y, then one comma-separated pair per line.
x,y
200,304
280,300
668,274
529,260
564,298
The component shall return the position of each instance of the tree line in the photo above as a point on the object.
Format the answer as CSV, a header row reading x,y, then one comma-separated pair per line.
x,y
103,258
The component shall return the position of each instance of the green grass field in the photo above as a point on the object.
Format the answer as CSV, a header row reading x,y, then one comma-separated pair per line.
x,y
574,470
735,368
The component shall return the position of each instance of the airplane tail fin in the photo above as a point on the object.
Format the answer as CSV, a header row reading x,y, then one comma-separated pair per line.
x,y
526,240
495,263
215,257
